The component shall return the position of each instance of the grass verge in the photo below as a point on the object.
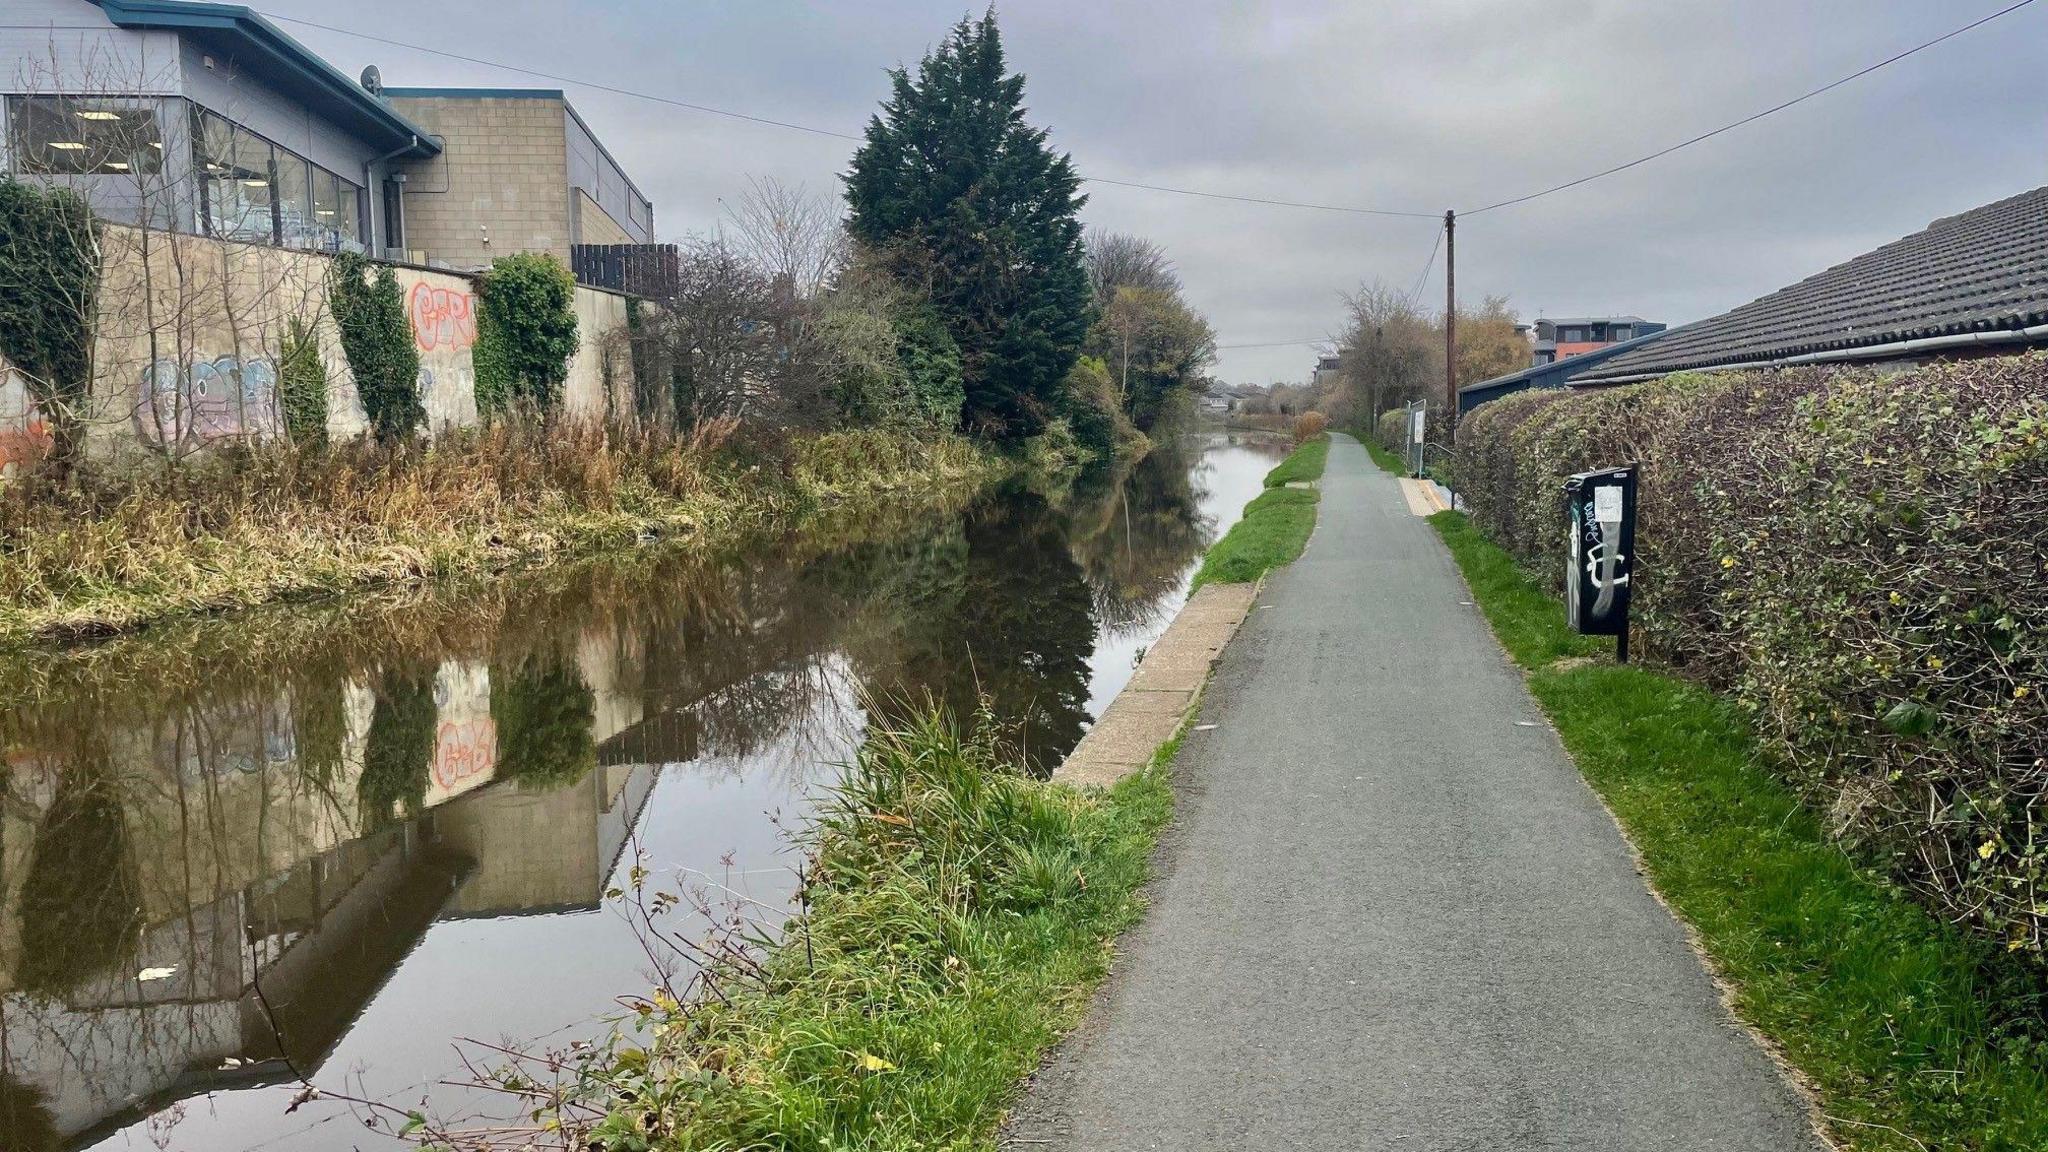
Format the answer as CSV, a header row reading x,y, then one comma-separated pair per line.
x,y
958,916
1302,465
1888,1013
1387,461
1275,526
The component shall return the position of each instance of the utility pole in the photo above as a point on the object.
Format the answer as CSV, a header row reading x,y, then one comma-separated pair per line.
x,y
1450,318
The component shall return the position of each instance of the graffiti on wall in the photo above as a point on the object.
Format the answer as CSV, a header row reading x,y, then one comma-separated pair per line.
x,y
442,318
465,736
178,405
24,435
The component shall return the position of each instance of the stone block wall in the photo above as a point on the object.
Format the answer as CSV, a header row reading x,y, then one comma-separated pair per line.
x,y
500,185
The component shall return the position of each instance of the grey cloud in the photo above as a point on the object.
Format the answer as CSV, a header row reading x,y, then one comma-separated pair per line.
x,y
1411,106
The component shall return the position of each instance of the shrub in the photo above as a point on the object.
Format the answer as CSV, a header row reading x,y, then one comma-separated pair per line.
x,y
49,272
302,385
526,331
1309,425
1861,561
1393,430
377,340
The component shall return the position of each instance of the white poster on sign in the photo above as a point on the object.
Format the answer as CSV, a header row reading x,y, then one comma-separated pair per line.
x,y
1607,505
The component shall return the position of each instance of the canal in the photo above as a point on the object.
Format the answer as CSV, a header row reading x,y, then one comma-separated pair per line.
x,y
333,840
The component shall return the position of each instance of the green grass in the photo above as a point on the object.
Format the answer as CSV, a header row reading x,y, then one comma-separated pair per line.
x,y
1303,464
1274,530
1387,461
960,914
1275,526
1888,1012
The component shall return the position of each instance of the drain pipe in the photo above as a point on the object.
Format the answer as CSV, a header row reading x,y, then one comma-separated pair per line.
x,y
2038,332
370,187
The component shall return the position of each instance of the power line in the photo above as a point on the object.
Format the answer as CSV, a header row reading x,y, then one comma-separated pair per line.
x,y
812,129
1751,119
1262,200
1415,293
706,108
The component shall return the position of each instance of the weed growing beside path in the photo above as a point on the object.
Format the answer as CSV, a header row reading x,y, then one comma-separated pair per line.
x,y
1276,524
958,915
1910,1032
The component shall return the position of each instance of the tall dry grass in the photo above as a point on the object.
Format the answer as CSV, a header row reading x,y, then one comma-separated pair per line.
x,y
115,546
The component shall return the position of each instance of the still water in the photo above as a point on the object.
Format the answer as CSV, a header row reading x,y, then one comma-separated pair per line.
x,y
334,840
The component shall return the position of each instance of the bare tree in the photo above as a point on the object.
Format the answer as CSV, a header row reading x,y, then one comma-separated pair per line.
x,y
185,333
1121,260
1390,349
793,235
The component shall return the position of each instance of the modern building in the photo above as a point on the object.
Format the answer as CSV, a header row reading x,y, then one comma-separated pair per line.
x,y
199,117
207,118
1974,284
1577,335
1548,374
1328,368
517,170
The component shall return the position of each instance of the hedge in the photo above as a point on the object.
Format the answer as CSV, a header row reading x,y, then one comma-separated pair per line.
x,y
1860,560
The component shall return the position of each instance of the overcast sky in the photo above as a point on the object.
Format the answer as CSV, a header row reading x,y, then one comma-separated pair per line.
x,y
1416,107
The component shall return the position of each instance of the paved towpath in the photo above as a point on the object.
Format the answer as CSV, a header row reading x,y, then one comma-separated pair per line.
x,y
1391,915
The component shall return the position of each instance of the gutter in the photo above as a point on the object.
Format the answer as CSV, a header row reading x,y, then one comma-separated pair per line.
x,y
1839,355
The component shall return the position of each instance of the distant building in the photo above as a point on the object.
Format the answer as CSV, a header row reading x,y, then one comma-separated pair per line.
x,y
517,171
1549,374
1975,284
1557,339
1327,370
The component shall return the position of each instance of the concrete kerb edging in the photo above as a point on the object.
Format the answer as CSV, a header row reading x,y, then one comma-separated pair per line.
x,y
1156,702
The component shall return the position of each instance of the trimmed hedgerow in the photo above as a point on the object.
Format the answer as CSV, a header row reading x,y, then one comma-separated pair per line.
x,y
1861,561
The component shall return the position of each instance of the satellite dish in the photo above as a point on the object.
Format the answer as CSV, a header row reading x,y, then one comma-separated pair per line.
x,y
373,81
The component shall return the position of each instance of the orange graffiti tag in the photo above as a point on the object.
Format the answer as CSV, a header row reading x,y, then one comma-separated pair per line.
x,y
464,751
441,318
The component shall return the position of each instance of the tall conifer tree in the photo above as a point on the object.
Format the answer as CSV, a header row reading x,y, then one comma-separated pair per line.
x,y
965,199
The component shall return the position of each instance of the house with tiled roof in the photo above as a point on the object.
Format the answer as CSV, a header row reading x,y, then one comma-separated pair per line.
x,y
1973,284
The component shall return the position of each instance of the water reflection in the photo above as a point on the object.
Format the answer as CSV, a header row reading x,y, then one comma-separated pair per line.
x,y
329,840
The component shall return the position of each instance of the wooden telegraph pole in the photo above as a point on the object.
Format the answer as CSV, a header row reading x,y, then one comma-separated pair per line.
x,y
1450,412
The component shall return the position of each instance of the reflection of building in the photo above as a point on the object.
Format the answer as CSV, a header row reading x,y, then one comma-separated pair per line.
x,y
267,921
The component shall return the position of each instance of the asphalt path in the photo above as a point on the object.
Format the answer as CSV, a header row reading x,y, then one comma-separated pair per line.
x,y
1391,915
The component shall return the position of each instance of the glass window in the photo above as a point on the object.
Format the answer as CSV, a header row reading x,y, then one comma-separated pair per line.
x,y
71,136
299,226
351,218
235,180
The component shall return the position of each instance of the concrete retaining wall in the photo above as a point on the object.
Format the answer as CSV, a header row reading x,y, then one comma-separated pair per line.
x,y
190,331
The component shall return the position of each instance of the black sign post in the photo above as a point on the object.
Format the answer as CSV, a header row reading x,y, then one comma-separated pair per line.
x,y
1601,558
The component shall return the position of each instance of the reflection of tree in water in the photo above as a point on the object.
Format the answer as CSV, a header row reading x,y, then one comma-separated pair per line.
x,y
81,904
544,712
25,1123
398,749
1006,615
1135,535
